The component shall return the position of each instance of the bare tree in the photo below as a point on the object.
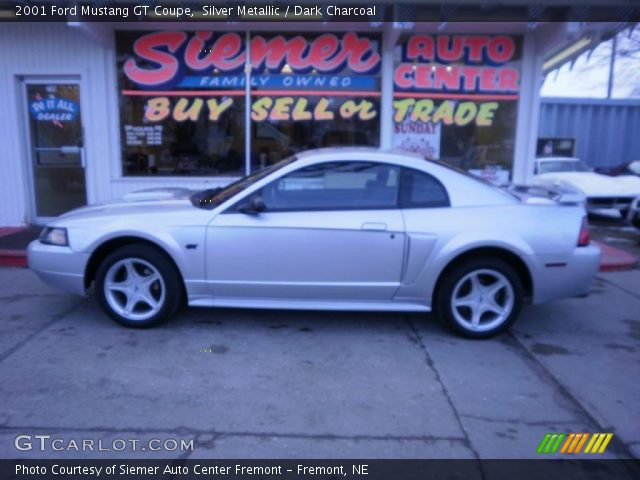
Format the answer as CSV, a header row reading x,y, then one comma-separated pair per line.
x,y
627,60
626,64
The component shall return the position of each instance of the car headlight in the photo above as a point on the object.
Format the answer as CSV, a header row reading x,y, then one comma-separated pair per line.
x,y
54,236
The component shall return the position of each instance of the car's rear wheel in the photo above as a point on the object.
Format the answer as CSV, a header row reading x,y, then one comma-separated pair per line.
x,y
138,286
479,298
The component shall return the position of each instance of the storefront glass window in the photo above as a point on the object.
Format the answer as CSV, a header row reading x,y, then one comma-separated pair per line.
x,y
181,103
456,98
182,98
311,91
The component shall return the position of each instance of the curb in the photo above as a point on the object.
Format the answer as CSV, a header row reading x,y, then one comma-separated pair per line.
x,y
614,259
13,258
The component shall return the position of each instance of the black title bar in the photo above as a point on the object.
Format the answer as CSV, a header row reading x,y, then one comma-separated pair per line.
x,y
584,469
322,10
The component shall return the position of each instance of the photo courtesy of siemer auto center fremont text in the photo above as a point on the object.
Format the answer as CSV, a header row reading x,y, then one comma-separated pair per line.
x,y
382,240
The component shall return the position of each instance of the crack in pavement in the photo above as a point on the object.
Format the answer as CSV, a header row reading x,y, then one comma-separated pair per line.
x,y
22,296
584,416
186,431
519,421
629,292
52,320
430,363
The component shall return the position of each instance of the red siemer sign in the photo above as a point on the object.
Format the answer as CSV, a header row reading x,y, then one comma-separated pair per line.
x,y
326,53
453,63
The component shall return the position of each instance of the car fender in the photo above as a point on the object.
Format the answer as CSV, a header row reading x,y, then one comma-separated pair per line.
x,y
425,283
185,262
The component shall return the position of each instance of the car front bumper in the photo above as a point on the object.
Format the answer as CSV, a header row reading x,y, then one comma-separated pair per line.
x,y
554,278
633,215
59,267
604,205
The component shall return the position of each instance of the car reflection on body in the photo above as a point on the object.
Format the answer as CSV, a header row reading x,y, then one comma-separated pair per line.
x,y
331,229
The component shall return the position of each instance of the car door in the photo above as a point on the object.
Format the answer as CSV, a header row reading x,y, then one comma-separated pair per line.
x,y
328,231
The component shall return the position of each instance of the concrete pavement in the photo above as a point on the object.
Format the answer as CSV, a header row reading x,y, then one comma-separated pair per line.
x,y
278,384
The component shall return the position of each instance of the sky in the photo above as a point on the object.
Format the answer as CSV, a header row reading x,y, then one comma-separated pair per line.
x,y
588,76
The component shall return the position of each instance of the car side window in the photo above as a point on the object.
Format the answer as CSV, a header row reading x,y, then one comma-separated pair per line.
x,y
421,190
335,186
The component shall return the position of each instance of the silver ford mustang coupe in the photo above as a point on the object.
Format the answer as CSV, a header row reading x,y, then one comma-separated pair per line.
x,y
331,229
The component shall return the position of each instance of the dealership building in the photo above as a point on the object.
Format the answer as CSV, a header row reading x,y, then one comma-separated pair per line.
x,y
93,111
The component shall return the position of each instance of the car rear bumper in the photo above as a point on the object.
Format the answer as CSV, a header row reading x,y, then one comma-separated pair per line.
x,y
570,277
59,267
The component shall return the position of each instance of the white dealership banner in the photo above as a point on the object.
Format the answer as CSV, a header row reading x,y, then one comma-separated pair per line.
x,y
418,137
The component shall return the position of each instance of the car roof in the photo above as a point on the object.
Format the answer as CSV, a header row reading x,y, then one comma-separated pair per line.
x,y
330,151
397,157
464,189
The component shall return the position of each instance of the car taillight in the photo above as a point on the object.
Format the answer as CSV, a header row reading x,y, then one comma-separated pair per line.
x,y
583,238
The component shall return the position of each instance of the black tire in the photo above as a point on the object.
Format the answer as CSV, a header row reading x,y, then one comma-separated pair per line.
x,y
141,255
444,309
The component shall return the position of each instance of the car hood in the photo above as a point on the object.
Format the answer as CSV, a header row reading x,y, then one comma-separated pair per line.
x,y
593,184
140,202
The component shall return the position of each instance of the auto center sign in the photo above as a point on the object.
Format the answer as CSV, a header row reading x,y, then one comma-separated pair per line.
x,y
448,79
468,74
450,63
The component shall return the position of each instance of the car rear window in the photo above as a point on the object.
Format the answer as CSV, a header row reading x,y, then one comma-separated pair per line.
x,y
421,190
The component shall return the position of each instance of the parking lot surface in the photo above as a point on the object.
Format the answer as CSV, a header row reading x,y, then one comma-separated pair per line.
x,y
293,384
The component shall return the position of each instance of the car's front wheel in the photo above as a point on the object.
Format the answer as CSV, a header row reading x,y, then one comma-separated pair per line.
x,y
138,286
480,298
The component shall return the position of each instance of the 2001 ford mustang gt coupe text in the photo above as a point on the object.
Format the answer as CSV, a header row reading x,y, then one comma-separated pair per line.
x,y
335,229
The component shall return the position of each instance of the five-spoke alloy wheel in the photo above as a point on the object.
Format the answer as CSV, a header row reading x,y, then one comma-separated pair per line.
x,y
138,286
134,288
480,298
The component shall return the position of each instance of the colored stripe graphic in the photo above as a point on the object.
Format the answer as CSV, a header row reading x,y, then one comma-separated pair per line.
x,y
583,438
573,443
549,446
550,443
605,442
598,442
543,443
556,445
565,447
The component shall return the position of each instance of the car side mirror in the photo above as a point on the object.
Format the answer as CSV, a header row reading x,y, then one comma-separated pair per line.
x,y
253,206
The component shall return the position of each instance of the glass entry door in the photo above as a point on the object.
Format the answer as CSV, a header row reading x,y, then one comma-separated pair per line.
x,y
56,147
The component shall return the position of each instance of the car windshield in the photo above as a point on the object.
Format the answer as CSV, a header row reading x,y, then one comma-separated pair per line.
x,y
211,198
633,168
557,166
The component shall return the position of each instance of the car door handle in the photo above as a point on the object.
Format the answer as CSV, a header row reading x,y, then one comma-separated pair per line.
x,y
378,227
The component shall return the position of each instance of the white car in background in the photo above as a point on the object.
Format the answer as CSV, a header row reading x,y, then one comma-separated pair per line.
x,y
633,215
604,194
